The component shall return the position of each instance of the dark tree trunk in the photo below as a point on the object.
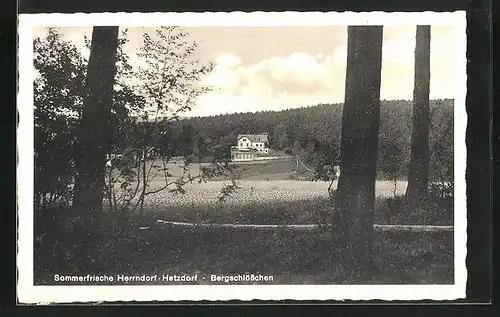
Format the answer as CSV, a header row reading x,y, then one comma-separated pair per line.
x,y
418,172
353,214
93,135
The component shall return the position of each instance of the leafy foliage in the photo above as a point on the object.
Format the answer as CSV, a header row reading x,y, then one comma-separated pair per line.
x,y
139,147
169,74
58,100
168,83
326,159
441,142
394,145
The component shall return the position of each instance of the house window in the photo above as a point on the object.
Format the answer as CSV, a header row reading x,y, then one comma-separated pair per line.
x,y
247,144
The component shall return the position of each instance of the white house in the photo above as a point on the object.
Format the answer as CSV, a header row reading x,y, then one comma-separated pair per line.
x,y
250,146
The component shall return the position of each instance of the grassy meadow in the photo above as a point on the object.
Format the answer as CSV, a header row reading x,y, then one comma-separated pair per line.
x,y
264,197
272,192
292,257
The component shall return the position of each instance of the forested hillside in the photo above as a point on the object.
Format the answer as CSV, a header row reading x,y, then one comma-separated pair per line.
x,y
306,131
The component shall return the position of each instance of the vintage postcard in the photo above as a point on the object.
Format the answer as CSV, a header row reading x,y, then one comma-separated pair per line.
x,y
221,156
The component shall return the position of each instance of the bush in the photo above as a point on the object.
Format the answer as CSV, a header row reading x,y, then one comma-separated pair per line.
x,y
440,200
441,190
395,205
439,208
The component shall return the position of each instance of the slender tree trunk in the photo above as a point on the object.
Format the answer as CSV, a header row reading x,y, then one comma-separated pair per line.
x,y
395,181
418,173
144,180
353,214
94,134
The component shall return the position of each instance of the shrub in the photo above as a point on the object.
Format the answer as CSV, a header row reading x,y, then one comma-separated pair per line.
x,y
440,201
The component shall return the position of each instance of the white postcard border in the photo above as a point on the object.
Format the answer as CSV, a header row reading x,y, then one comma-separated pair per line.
x,y
29,293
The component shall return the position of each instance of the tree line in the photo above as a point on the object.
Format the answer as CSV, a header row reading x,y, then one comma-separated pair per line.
x,y
310,129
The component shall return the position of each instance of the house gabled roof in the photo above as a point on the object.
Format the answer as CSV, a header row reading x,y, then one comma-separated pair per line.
x,y
255,137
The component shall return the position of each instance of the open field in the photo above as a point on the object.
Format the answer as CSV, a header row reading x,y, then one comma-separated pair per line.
x,y
256,191
258,181
285,212
274,202
291,257
266,195
278,169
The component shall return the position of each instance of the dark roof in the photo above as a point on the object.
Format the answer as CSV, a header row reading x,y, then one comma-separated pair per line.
x,y
255,137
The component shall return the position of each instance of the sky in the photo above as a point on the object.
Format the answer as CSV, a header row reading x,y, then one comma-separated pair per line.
x,y
276,68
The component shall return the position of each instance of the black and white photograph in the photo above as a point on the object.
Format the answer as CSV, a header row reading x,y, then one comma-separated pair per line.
x,y
219,156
